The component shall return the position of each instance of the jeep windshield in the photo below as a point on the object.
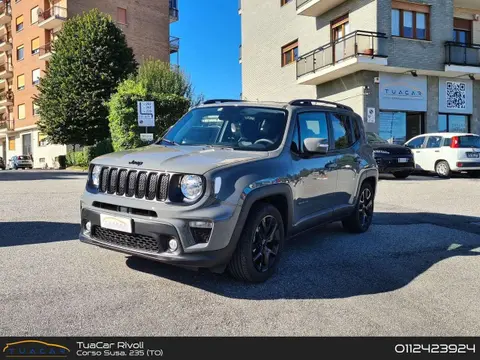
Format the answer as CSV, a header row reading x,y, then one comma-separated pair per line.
x,y
249,128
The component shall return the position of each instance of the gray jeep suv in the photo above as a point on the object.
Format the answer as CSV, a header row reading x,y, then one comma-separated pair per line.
x,y
230,182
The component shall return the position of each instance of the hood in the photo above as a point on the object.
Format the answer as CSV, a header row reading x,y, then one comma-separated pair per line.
x,y
182,159
392,149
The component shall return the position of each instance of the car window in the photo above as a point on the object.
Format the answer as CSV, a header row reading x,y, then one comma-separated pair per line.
x,y
416,143
356,129
434,141
313,125
295,140
342,131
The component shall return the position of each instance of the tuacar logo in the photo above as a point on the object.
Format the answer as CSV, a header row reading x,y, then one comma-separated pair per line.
x,y
34,349
138,163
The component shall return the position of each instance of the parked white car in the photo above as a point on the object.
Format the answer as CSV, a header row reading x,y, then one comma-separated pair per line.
x,y
445,153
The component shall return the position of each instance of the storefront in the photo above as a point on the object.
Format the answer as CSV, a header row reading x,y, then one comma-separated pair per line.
x,y
455,106
403,104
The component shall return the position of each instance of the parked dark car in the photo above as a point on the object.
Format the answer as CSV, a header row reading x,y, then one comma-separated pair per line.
x,y
391,159
2,164
20,162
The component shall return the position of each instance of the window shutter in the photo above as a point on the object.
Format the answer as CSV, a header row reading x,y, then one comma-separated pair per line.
x,y
35,43
20,81
19,20
21,111
34,15
122,15
11,143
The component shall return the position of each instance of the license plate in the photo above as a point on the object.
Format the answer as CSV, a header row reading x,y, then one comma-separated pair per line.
x,y
402,160
472,155
116,223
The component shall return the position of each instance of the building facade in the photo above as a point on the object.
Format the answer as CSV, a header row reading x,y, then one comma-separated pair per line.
x,y
27,30
407,67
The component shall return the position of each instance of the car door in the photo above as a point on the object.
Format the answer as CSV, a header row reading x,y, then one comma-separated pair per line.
x,y
431,152
315,175
347,159
416,145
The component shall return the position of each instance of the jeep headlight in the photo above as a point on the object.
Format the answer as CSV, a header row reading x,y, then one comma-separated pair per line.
x,y
192,187
95,177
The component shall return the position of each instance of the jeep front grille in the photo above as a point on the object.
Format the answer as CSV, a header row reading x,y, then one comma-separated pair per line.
x,y
133,183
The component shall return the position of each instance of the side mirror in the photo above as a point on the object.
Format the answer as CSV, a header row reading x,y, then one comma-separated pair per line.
x,y
316,146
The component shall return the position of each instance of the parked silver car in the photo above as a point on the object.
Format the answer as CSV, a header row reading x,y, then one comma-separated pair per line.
x,y
20,162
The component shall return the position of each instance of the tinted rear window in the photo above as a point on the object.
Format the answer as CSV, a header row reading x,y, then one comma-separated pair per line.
x,y
469,141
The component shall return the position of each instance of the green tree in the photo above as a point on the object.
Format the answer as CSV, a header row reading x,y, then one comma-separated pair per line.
x,y
91,58
155,81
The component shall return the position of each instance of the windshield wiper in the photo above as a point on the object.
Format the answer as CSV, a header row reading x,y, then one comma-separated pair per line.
x,y
169,141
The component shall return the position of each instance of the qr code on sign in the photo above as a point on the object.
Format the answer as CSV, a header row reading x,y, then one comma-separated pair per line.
x,y
456,95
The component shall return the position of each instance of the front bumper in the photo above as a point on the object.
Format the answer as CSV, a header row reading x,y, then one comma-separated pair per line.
x,y
150,236
391,164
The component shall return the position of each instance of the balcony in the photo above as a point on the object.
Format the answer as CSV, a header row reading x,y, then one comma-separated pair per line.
x,y
6,98
6,71
360,50
5,13
173,10
46,52
462,58
467,4
316,7
3,30
8,125
174,44
52,18
5,44
3,84
3,57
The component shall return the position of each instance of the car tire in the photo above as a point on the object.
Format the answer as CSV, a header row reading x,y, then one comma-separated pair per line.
x,y
402,174
474,174
361,218
443,169
260,245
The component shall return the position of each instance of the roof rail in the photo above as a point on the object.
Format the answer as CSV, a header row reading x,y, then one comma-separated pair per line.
x,y
219,101
311,102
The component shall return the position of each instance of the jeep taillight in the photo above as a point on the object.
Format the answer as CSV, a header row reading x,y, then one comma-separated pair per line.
x,y
455,142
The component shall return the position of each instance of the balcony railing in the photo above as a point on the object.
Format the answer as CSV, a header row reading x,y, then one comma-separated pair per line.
x,y
355,44
6,67
462,54
5,8
55,12
7,124
7,95
45,49
174,44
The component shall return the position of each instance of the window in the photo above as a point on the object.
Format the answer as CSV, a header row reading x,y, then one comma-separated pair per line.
x,y
341,131
34,15
11,143
21,82
121,15
36,108
20,53
453,123
21,112
35,46
19,23
416,143
462,31
434,142
290,53
313,125
410,20
36,76
285,2
42,140
295,147
356,130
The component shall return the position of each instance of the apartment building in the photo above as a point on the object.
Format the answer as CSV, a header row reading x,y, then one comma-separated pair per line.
x,y
27,30
408,67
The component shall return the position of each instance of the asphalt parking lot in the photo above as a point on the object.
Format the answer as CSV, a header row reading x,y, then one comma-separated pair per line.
x,y
416,272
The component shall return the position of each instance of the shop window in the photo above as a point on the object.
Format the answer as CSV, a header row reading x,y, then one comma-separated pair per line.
x,y
453,123
290,53
410,20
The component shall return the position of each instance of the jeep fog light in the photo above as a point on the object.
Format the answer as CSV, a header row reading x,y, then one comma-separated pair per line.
x,y
173,245
88,227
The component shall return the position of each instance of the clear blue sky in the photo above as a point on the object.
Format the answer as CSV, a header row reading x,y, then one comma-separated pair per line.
x,y
209,33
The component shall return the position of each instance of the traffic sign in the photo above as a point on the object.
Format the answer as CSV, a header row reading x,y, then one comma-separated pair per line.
x,y
146,113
